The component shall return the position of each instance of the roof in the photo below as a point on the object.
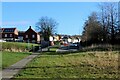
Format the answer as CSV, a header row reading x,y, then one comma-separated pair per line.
x,y
8,29
66,37
32,30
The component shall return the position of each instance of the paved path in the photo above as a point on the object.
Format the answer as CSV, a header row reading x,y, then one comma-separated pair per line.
x,y
69,50
15,68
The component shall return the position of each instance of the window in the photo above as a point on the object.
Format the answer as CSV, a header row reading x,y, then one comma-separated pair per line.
x,y
10,35
26,36
5,35
33,36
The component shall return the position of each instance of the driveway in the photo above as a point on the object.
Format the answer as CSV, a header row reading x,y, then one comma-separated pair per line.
x,y
67,49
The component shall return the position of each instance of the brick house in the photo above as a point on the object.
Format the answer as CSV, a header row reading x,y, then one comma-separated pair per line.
x,y
31,36
1,31
9,34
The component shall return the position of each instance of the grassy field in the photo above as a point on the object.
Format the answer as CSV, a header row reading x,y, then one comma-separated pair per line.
x,y
16,46
53,49
99,64
9,58
102,47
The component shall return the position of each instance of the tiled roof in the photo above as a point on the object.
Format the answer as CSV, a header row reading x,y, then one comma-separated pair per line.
x,y
8,29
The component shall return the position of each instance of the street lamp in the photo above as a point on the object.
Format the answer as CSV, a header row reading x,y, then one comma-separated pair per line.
x,y
28,44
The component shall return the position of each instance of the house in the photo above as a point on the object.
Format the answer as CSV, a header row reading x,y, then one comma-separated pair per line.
x,y
9,34
76,38
66,39
56,37
31,36
1,31
20,36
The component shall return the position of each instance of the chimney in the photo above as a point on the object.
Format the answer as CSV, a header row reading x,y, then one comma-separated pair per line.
x,y
30,27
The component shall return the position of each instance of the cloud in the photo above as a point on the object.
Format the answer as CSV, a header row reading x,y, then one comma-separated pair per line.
x,y
8,23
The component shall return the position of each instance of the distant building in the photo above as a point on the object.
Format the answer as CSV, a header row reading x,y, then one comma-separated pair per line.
x,y
20,36
31,36
76,38
71,39
56,37
1,31
66,39
9,34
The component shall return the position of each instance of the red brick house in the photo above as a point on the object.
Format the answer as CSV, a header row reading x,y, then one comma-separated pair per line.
x,y
9,34
31,36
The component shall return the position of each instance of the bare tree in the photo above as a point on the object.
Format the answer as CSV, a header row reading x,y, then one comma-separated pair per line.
x,y
109,20
119,16
46,26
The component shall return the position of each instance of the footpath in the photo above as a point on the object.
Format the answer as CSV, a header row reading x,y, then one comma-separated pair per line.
x,y
9,72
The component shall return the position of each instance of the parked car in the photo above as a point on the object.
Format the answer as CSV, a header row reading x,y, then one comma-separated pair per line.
x,y
2,41
71,46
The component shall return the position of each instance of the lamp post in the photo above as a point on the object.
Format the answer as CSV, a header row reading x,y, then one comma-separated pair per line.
x,y
28,44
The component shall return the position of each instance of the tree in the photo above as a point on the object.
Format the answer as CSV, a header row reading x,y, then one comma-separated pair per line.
x,y
46,26
104,27
108,20
92,30
104,20
118,29
119,16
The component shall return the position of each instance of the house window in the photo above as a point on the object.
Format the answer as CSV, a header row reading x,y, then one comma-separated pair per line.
x,y
10,35
33,36
5,35
26,36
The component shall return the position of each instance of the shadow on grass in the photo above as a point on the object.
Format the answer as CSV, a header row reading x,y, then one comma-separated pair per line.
x,y
60,53
72,52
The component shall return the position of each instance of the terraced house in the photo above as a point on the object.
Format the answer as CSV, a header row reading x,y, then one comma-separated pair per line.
x,y
12,34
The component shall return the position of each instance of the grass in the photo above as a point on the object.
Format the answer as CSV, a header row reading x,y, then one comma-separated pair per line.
x,y
0,61
9,58
53,49
16,46
99,64
102,47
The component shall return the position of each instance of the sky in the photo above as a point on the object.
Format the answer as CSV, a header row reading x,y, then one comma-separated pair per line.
x,y
70,15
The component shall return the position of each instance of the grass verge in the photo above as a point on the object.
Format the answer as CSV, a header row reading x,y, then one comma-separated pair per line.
x,y
17,46
99,64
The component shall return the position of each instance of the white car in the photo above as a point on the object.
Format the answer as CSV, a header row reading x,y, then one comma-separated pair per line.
x,y
2,40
